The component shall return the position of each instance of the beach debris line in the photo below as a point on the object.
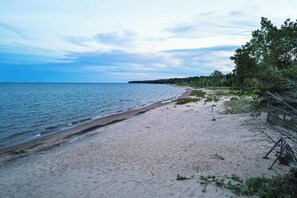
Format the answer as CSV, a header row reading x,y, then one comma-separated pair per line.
x,y
16,152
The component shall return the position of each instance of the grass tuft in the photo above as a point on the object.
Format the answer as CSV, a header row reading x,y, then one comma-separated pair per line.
x,y
198,93
186,100
181,178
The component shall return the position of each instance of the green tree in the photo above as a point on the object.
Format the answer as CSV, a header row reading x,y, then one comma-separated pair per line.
x,y
267,65
217,78
269,57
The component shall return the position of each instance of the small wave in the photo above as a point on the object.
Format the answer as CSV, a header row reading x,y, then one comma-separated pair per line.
x,y
97,117
52,127
15,135
37,135
79,121
17,138
125,100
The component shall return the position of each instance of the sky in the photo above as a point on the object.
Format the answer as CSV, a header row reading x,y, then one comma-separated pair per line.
x,y
123,40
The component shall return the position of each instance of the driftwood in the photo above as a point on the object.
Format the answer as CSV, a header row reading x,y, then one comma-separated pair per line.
x,y
216,156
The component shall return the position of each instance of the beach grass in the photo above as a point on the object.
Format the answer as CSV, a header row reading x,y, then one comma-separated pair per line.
x,y
198,93
186,100
245,104
260,186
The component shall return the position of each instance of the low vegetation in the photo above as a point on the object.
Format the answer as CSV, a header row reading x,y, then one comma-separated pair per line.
x,y
223,92
198,93
244,104
196,96
263,187
181,178
211,98
186,100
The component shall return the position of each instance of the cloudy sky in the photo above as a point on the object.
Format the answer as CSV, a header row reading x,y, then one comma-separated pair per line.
x,y
122,40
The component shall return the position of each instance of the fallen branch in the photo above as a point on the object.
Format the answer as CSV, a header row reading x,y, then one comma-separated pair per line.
x,y
216,156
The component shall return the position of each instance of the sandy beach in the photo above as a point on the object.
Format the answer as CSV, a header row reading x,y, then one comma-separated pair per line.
x,y
142,155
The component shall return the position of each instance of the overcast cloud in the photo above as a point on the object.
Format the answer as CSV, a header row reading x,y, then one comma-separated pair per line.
x,y
118,41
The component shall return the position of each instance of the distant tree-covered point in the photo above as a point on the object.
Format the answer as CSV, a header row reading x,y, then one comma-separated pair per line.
x,y
214,79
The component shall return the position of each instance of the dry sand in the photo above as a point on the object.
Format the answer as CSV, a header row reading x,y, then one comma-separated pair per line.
x,y
141,156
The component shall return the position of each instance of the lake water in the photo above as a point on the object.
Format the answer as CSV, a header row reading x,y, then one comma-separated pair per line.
x,y
30,110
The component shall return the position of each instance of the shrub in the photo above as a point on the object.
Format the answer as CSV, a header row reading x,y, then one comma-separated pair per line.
x,y
275,187
198,93
241,105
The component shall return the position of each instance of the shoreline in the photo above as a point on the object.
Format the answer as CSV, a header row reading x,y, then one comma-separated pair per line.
x,y
50,140
143,155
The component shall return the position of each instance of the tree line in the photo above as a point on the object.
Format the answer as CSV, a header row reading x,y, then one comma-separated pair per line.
x,y
217,78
